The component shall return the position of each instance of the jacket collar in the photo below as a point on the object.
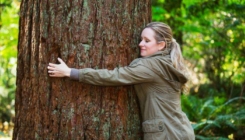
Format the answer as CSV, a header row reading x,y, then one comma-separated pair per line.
x,y
160,53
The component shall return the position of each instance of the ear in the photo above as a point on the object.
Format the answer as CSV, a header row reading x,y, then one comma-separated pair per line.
x,y
161,45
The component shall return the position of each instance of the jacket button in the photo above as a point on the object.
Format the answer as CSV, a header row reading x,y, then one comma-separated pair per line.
x,y
160,127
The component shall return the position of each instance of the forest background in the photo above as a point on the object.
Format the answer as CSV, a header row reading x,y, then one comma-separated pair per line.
x,y
211,33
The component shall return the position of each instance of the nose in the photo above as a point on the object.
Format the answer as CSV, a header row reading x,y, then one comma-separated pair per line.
x,y
141,44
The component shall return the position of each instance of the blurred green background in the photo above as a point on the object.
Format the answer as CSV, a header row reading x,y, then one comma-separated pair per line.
x,y
211,33
8,52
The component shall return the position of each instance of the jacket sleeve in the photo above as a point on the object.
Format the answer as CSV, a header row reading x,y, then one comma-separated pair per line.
x,y
128,75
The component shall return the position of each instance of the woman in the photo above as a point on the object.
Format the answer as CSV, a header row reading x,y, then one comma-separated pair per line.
x,y
158,77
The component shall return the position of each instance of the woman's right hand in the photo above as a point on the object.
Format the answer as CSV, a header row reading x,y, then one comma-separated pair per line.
x,y
59,70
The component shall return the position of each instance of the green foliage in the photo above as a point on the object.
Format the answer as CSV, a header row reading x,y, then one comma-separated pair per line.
x,y
8,53
214,33
9,32
215,118
159,14
211,34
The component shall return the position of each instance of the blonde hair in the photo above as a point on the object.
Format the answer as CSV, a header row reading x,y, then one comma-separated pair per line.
x,y
164,33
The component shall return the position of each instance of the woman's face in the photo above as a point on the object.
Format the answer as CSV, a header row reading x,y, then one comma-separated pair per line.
x,y
148,44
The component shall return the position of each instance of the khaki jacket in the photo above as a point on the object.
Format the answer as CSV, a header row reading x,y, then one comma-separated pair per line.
x,y
158,86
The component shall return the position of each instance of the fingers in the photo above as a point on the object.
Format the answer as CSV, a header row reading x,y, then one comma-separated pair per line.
x,y
53,73
57,70
51,68
52,65
60,60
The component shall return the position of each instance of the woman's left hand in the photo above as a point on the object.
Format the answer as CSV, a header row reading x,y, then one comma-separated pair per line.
x,y
59,70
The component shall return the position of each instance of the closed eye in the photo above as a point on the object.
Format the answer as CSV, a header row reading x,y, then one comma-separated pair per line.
x,y
145,39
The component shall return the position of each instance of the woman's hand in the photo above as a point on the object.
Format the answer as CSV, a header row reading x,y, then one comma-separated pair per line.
x,y
59,70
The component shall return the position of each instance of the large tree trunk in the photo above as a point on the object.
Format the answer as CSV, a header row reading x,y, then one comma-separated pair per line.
x,y
84,33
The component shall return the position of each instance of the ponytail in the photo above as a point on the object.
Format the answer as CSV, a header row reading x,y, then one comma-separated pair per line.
x,y
176,56
178,61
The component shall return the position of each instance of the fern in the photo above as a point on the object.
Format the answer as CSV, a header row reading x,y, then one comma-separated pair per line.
x,y
215,121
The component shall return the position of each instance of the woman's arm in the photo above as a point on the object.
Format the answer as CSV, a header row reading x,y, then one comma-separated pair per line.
x,y
119,76
128,75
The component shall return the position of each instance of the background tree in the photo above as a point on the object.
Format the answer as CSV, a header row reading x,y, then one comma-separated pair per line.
x,y
96,34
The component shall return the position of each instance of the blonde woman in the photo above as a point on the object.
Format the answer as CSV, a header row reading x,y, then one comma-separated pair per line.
x,y
158,77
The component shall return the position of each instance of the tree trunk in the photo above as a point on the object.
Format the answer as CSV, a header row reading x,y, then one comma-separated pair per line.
x,y
84,33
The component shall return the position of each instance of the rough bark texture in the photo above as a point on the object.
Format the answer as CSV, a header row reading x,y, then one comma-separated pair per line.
x,y
84,33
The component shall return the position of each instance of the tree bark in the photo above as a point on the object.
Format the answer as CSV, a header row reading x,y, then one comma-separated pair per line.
x,y
84,33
